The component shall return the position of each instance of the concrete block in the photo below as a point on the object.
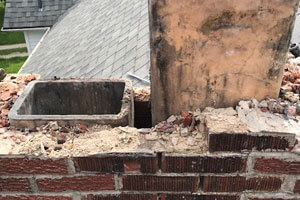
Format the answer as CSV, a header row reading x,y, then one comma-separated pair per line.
x,y
70,102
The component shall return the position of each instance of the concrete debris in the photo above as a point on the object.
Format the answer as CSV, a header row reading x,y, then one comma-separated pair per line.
x,y
288,102
50,141
142,94
263,104
144,130
72,144
174,141
221,111
52,125
292,97
10,88
189,122
172,119
186,121
223,123
151,137
184,133
258,120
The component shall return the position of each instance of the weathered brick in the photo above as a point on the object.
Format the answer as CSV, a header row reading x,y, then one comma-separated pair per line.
x,y
15,185
77,183
99,164
239,184
114,163
277,166
34,197
132,166
297,187
160,183
198,197
121,197
23,165
239,142
204,164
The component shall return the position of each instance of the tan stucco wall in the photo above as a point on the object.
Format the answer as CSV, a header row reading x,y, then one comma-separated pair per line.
x,y
216,52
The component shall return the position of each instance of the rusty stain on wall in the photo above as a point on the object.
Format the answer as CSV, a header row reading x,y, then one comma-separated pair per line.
x,y
216,52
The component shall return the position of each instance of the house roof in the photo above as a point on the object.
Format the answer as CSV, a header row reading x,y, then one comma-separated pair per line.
x,y
26,13
96,39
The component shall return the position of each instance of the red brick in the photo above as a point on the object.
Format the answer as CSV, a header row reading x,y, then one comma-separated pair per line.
x,y
277,166
203,164
297,187
33,197
115,163
5,96
239,184
239,142
132,166
198,197
160,183
32,166
15,185
30,78
122,197
77,183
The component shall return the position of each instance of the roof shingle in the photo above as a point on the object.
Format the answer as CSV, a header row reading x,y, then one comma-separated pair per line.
x,y
26,13
96,39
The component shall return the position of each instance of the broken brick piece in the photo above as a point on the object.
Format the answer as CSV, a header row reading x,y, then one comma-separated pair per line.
x,y
4,122
5,96
30,78
82,128
187,121
185,114
5,111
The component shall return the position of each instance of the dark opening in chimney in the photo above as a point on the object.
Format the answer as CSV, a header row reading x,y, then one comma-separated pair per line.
x,y
40,4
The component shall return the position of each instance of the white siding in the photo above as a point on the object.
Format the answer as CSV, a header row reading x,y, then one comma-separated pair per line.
x,y
296,32
32,38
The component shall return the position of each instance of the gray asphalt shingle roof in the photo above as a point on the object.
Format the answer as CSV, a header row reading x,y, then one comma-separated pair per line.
x,y
96,39
26,13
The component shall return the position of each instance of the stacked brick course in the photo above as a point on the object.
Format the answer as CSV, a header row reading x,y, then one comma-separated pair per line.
x,y
254,169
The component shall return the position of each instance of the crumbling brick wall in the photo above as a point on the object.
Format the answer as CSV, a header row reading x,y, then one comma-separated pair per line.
x,y
244,167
